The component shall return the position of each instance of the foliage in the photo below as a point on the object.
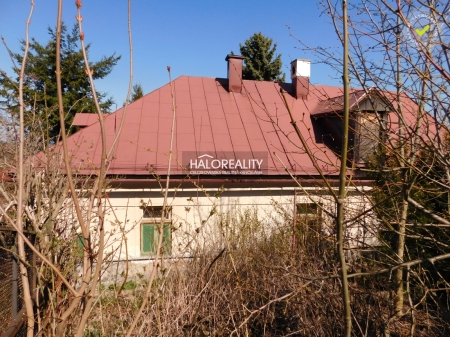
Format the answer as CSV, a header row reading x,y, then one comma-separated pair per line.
x,y
426,190
138,92
260,63
40,90
424,236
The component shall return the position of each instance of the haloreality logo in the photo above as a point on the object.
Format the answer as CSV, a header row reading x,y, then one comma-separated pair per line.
x,y
229,163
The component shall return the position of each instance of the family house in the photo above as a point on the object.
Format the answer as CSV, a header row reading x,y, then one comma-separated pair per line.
x,y
233,148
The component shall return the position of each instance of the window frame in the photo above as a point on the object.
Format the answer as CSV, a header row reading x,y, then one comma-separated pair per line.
x,y
152,224
309,221
364,133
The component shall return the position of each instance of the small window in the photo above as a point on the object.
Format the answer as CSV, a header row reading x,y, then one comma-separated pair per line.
x,y
151,229
369,135
308,209
308,222
155,213
150,238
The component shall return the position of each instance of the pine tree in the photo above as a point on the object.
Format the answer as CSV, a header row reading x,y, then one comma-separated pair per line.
x,y
40,94
138,92
260,63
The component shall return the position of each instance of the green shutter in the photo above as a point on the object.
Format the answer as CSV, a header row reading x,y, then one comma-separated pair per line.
x,y
80,245
167,239
148,238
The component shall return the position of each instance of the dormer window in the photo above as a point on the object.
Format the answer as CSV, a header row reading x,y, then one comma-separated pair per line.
x,y
368,110
368,134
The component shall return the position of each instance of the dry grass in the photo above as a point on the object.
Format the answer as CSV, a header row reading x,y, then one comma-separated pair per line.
x,y
255,284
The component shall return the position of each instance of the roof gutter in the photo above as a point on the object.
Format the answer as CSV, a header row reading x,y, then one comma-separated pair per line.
x,y
285,182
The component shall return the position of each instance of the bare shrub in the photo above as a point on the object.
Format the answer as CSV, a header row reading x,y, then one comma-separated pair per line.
x,y
255,284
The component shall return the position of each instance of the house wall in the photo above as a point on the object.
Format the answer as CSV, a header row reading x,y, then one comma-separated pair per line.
x,y
201,218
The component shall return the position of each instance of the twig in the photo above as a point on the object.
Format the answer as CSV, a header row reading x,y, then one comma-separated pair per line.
x,y
266,305
163,216
38,254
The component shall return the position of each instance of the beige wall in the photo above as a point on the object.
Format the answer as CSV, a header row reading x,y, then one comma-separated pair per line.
x,y
193,227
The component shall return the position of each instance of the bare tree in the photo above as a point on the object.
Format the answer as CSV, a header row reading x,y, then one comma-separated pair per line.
x,y
399,59
65,212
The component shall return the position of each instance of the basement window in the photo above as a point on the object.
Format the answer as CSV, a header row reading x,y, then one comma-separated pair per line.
x,y
152,227
308,222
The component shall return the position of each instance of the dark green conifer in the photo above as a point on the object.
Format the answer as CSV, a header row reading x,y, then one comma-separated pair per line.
x,y
40,94
261,64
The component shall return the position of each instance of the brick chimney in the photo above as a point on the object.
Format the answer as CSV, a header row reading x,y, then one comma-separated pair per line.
x,y
234,72
300,73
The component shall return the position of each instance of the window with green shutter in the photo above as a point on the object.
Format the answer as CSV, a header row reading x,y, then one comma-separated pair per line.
x,y
80,245
150,236
151,231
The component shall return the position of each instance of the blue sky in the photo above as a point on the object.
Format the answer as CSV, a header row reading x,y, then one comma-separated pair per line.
x,y
193,37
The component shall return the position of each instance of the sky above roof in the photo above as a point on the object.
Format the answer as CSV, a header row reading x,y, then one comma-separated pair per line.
x,y
192,37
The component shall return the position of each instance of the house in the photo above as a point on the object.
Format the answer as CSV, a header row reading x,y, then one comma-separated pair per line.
x,y
234,148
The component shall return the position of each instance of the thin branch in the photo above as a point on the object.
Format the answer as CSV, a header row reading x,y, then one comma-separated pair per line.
x,y
426,211
163,216
21,185
38,254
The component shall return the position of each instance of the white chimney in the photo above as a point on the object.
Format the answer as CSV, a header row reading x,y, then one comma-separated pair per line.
x,y
300,67
300,73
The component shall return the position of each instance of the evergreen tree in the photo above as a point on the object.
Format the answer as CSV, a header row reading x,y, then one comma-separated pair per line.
x,y
137,92
260,63
40,91
426,185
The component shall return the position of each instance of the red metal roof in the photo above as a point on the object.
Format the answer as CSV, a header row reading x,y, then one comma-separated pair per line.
x,y
84,119
209,119
333,105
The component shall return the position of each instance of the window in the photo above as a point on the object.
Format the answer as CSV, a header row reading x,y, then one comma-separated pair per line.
x,y
151,229
369,135
308,222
